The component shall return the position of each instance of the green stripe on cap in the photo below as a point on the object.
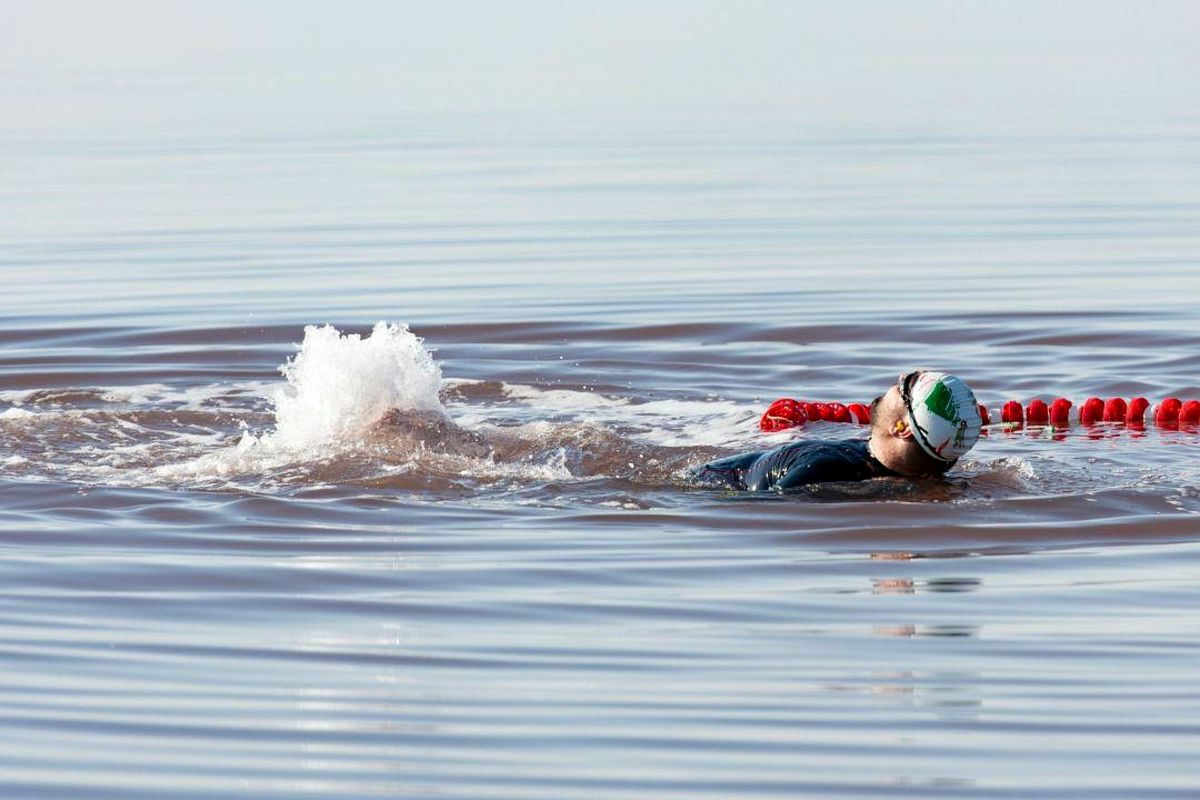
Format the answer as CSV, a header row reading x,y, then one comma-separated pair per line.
x,y
940,401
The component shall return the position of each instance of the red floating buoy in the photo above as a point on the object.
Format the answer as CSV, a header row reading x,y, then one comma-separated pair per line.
x,y
1172,413
1092,411
1036,413
1012,412
784,413
837,413
1189,414
1060,412
1135,416
983,414
1167,414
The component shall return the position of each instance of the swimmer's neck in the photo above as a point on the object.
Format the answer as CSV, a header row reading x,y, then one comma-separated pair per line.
x,y
889,451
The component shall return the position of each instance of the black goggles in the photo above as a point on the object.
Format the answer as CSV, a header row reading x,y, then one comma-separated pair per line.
x,y
905,384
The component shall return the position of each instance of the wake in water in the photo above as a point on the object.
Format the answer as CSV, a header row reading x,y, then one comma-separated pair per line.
x,y
366,410
375,411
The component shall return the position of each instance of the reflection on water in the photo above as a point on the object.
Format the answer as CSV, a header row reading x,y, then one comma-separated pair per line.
x,y
925,630
910,586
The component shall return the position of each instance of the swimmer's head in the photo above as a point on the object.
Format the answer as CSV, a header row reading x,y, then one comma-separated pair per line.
x,y
925,423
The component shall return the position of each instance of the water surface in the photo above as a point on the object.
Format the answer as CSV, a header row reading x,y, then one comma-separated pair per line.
x,y
222,581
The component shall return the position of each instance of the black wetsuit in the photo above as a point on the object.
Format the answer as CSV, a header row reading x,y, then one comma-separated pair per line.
x,y
795,465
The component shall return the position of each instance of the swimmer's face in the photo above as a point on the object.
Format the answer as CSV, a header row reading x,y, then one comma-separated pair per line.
x,y
889,417
888,407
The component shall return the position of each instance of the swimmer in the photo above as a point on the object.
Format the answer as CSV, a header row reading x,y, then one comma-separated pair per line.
x,y
919,428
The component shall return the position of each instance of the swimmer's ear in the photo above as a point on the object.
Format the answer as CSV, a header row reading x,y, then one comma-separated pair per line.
x,y
901,430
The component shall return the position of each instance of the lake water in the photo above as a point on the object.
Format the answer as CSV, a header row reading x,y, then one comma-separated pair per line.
x,y
220,581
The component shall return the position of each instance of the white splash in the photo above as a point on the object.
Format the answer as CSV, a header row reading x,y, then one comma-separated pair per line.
x,y
16,396
340,384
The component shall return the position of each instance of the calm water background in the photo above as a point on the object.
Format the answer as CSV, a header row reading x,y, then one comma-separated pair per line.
x,y
209,592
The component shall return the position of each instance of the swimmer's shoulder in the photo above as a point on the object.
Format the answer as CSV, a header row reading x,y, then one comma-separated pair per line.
x,y
825,461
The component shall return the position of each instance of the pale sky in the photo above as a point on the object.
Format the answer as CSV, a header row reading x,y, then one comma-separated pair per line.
x,y
124,63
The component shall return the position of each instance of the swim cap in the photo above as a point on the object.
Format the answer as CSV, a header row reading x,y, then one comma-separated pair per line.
x,y
944,415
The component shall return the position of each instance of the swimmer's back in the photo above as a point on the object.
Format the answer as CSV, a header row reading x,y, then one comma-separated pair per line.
x,y
794,465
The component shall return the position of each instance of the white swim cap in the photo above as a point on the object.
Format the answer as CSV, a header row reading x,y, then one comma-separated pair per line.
x,y
944,415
